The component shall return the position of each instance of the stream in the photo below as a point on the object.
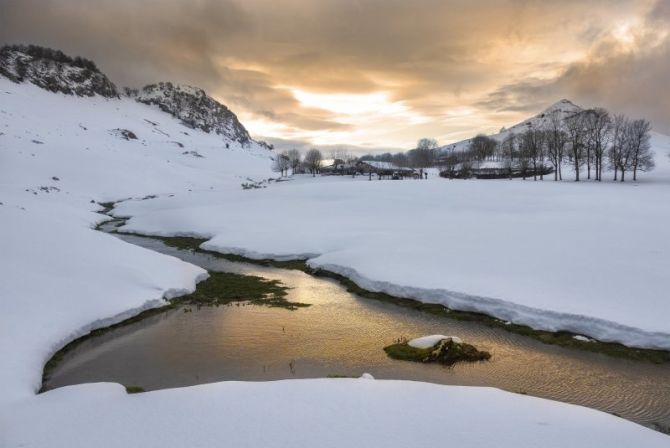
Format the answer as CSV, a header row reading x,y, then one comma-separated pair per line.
x,y
343,334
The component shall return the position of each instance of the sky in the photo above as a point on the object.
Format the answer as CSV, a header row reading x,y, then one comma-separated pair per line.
x,y
372,75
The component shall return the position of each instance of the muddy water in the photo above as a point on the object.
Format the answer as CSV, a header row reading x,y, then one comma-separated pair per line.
x,y
342,334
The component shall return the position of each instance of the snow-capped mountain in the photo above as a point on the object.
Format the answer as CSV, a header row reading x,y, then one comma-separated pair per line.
x,y
563,109
54,71
194,108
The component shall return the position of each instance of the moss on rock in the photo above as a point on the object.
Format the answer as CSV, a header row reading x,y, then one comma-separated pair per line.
x,y
446,351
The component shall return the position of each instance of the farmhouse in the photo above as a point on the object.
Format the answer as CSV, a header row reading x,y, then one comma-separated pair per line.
x,y
340,167
384,169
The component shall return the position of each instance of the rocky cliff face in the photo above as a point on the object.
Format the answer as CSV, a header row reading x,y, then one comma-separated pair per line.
x,y
194,108
54,71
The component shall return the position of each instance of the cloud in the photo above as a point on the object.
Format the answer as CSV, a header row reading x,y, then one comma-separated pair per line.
x,y
626,71
456,63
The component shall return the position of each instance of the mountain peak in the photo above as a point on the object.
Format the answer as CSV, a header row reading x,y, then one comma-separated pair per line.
x,y
563,105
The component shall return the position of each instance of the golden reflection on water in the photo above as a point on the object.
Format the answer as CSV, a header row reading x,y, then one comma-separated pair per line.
x,y
341,334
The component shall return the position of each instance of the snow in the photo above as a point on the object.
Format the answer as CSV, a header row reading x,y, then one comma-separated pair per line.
x,y
313,413
60,279
551,255
384,165
579,337
430,341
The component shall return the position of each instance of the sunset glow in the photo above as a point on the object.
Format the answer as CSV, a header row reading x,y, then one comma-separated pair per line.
x,y
375,74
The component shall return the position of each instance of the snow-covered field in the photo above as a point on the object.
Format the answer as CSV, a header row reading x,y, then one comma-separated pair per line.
x,y
590,258
60,279
314,413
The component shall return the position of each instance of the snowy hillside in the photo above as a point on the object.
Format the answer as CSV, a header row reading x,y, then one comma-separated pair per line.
x,y
56,72
562,109
104,149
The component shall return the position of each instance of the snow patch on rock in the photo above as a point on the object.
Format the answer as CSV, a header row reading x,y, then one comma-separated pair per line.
x,y
432,340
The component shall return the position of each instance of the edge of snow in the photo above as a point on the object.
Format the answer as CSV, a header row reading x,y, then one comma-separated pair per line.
x,y
600,329
536,318
104,322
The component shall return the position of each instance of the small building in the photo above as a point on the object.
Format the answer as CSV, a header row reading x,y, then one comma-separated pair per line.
x,y
384,169
339,167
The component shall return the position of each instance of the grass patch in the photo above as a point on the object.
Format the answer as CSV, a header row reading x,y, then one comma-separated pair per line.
x,y
225,287
445,352
134,389
404,352
190,243
180,242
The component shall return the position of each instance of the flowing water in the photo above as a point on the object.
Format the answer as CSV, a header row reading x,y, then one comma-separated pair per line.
x,y
342,334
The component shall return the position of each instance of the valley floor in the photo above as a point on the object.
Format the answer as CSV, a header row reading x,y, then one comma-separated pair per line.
x,y
588,258
467,242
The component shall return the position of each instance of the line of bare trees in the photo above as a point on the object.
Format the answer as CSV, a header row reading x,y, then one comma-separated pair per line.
x,y
590,140
425,155
293,160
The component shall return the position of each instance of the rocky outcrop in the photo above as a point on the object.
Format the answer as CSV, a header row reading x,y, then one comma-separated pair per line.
x,y
54,71
194,108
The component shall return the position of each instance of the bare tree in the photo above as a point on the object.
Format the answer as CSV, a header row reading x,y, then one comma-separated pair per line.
x,y
532,142
556,139
642,158
619,150
294,159
482,147
425,153
281,163
342,155
400,159
313,160
615,151
598,126
574,126
507,149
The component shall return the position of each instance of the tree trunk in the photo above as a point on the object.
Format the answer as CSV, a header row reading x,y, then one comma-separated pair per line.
x,y
576,170
635,172
623,172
